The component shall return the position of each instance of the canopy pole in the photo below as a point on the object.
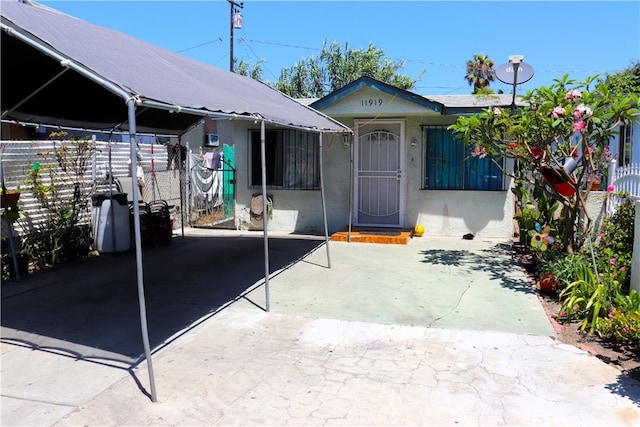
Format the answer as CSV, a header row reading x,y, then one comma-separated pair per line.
x,y
136,222
324,206
265,214
351,167
184,184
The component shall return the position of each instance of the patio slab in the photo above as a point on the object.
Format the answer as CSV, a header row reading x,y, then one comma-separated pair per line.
x,y
435,332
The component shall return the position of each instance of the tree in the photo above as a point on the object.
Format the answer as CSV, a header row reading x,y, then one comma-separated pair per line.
x,y
563,125
303,80
337,67
480,72
625,81
245,69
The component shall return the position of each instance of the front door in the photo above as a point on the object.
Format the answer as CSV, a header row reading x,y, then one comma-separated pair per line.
x,y
378,173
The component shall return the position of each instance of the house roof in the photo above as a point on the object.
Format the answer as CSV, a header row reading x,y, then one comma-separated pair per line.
x,y
471,104
443,104
369,82
60,70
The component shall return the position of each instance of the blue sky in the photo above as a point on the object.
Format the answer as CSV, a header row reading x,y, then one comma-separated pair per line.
x,y
579,38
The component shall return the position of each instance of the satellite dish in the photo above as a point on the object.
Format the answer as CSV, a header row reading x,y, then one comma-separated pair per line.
x,y
505,73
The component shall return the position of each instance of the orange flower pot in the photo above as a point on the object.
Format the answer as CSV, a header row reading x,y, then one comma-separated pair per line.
x,y
549,283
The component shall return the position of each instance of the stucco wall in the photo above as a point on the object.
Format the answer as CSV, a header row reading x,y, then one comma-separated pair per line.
x,y
486,214
297,210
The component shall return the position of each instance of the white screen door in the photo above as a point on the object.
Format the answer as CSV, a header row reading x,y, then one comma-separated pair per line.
x,y
378,174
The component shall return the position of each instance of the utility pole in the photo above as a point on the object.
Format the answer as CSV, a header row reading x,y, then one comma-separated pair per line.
x,y
234,23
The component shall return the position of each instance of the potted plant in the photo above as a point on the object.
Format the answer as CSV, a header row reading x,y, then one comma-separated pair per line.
x,y
549,283
9,198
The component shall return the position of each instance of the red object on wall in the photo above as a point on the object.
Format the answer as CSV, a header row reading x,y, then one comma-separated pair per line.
x,y
562,186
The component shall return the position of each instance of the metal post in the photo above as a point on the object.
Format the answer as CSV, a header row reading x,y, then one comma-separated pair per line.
x,y
515,60
516,65
324,207
351,177
264,213
138,239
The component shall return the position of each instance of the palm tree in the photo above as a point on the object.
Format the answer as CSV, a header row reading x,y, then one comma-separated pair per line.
x,y
480,72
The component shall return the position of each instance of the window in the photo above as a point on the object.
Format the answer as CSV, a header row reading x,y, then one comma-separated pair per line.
x,y
624,145
291,159
450,166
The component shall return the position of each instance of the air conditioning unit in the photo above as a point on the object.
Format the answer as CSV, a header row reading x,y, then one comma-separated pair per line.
x,y
212,140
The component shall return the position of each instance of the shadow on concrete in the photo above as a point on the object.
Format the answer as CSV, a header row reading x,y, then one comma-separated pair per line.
x,y
626,387
497,261
89,310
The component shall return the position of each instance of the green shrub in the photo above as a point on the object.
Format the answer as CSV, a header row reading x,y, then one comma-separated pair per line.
x,y
590,297
616,239
60,231
621,327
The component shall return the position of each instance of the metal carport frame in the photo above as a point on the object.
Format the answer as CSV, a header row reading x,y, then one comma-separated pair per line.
x,y
21,21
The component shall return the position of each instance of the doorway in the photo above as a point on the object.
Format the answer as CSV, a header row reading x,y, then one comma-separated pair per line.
x,y
378,173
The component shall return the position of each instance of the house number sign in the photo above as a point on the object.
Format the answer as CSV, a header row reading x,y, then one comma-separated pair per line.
x,y
371,102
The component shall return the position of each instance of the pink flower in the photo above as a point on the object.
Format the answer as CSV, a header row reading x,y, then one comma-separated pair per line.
x,y
578,126
626,330
601,234
557,112
572,95
623,268
582,110
610,315
612,261
611,188
479,151
497,111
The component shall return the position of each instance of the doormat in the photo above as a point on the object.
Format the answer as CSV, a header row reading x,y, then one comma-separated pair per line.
x,y
380,232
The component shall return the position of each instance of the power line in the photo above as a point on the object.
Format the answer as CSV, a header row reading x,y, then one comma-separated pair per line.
x,y
286,45
415,61
219,39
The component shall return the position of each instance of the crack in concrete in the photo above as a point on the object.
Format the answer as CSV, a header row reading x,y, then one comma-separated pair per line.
x,y
453,308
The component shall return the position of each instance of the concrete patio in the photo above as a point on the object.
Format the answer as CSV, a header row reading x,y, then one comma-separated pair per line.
x,y
435,332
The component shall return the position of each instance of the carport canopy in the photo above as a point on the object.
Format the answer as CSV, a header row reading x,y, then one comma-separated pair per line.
x,y
60,71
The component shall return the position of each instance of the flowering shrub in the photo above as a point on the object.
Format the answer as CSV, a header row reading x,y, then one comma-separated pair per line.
x,y
599,284
615,238
567,120
621,327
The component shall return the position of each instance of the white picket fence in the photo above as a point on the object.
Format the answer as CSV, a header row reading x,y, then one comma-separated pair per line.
x,y
624,179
